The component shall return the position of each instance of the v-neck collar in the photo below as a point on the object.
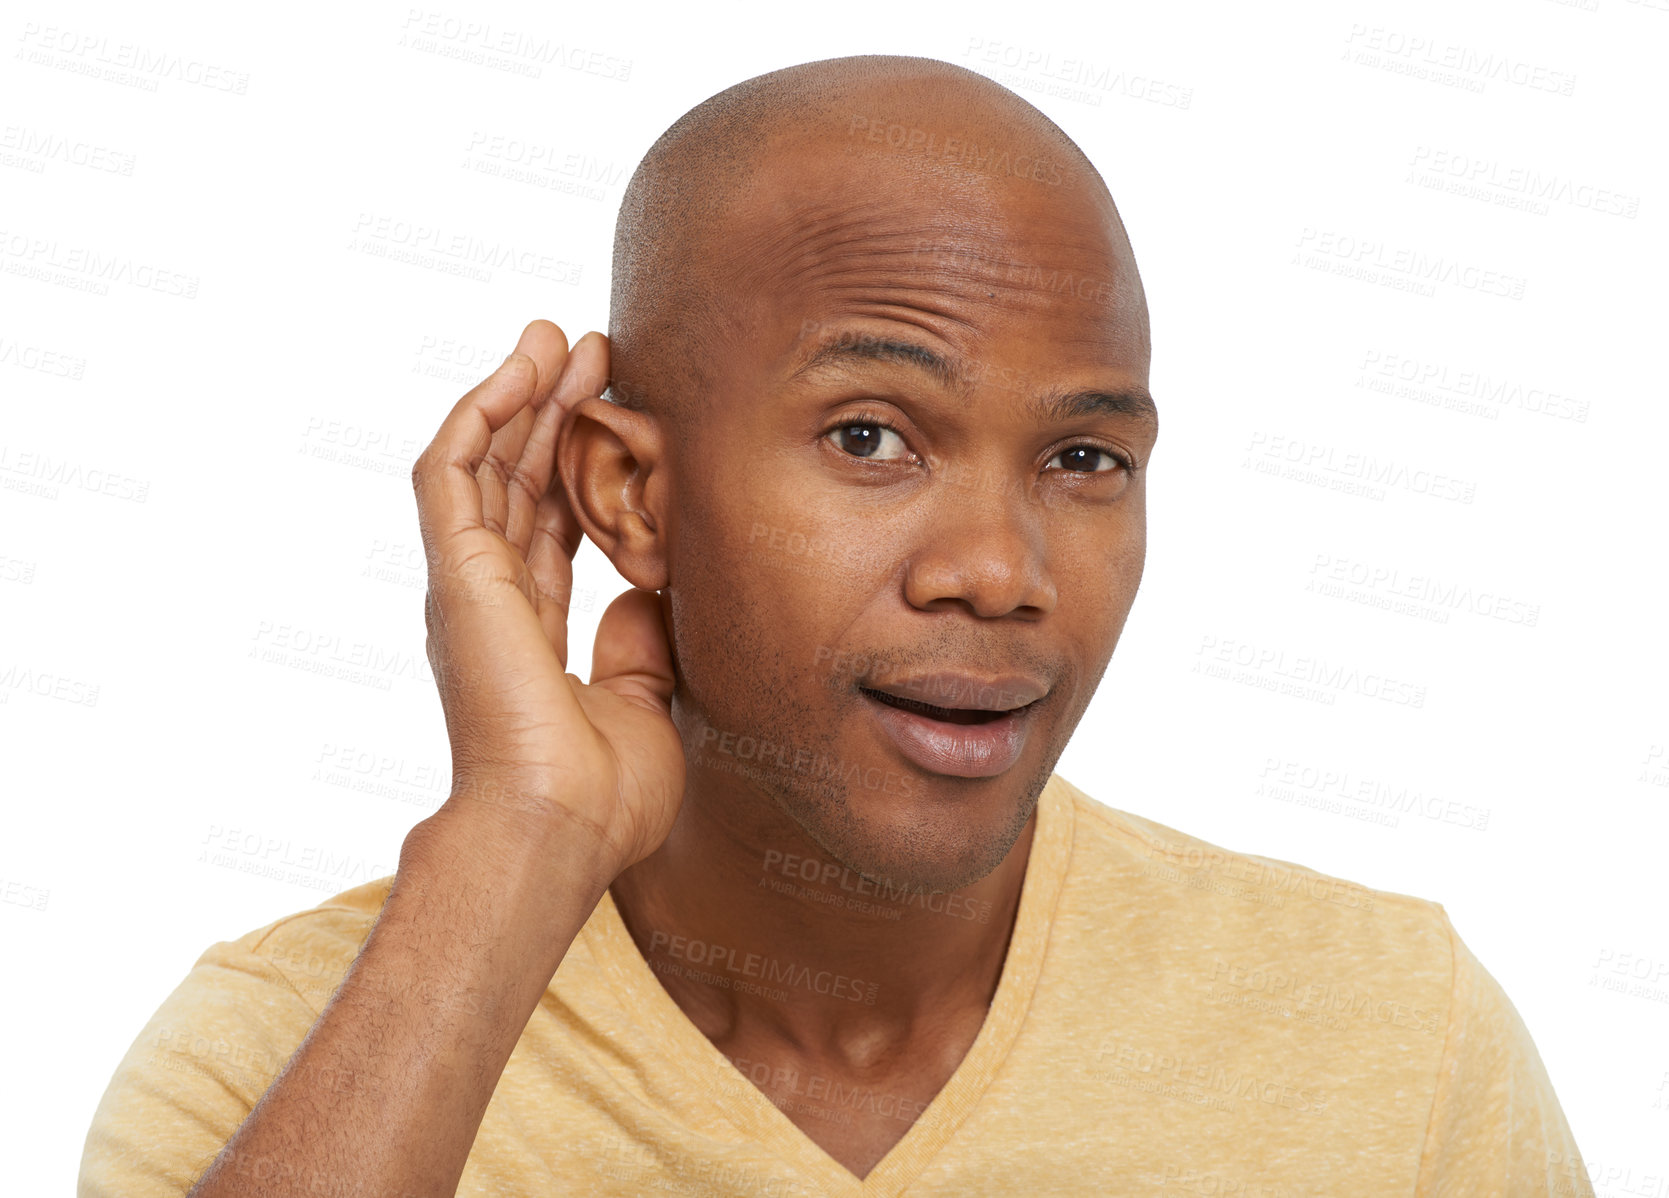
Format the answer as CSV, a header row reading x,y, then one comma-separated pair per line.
x,y
705,1069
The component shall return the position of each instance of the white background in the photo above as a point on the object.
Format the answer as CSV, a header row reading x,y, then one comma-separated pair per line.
x,y
207,502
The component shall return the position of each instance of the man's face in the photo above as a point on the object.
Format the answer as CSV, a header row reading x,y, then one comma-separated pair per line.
x,y
914,461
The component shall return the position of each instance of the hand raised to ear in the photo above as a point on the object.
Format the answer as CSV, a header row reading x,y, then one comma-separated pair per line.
x,y
534,749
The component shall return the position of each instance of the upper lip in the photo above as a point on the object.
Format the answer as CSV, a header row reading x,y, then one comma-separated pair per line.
x,y
971,692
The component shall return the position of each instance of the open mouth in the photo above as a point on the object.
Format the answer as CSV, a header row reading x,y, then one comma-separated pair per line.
x,y
950,715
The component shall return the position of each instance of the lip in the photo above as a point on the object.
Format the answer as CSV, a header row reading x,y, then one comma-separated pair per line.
x,y
957,750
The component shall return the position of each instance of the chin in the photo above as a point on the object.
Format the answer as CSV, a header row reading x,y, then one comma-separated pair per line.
x,y
928,833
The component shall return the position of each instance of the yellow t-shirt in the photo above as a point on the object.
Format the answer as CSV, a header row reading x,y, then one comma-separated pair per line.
x,y
1172,1019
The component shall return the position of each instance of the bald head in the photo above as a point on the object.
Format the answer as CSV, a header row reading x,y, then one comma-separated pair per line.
x,y
709,217
890,354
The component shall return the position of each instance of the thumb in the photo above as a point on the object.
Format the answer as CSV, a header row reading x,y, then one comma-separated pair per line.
x,y
632,655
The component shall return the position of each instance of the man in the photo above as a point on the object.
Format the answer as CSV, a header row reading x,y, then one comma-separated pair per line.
x,y
787,899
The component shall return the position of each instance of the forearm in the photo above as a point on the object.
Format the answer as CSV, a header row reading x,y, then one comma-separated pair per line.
x,y
387,1092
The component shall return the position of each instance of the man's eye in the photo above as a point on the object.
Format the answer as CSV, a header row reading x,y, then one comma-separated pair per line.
x,y
870,441
1090,459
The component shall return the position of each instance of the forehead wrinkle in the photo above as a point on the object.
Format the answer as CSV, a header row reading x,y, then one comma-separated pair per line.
x,y
890,261
940,313
780,237
885,258
928,275
885,284
773,245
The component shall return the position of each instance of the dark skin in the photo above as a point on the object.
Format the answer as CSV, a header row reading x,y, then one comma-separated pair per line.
x,y
998,529
977,534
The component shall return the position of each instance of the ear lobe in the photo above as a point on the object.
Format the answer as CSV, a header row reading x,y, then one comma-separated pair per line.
x,y
607,457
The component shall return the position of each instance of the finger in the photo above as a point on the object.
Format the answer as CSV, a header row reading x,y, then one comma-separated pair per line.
x,y
586,373
632,655
550,565
448,495
556,532
532,476
547,346
493,475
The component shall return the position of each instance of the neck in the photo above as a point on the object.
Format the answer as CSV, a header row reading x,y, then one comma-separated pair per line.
x,y
768,943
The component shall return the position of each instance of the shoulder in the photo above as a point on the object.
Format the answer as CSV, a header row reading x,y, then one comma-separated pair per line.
x,y
1250,930
1371,997
1496,1114
308,951
214,1045
1109,841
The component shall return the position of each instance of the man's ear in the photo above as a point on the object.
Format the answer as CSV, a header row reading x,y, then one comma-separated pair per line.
x,y
611,465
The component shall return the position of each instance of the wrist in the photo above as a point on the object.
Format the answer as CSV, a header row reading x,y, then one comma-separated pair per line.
x,y
517,866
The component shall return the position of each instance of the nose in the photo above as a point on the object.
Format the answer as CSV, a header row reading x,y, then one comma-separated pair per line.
x,y
987,551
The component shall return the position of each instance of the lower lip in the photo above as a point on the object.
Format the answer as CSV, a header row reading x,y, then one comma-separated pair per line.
x,y
959,750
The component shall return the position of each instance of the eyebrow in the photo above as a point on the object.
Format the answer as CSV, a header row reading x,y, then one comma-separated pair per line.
x,y
1061,406
1051,407
885,349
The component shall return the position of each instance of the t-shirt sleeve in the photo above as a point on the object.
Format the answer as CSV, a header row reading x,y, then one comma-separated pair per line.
x,y
193,1075
1496,1126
